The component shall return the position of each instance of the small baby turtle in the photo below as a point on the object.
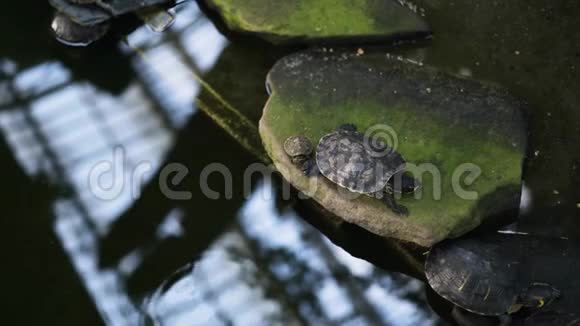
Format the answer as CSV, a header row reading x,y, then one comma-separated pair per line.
x,y
480,279
299,148
345,158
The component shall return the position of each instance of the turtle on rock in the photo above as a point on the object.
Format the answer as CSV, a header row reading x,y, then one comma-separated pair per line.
x,y
351,161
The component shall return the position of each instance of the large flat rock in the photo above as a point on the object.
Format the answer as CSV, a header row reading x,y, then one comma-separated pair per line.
x,y
291,21
441,123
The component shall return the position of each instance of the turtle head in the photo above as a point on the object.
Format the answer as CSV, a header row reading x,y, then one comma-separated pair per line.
x,y
403,183
538,295
348,127
298,147
409,184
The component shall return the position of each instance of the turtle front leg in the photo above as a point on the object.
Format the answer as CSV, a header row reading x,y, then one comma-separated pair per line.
x,y
307,165
505,320
309,168
389,199
465,318
104,5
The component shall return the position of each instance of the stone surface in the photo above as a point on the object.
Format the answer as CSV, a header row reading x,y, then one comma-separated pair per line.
x,y
437,121
315,20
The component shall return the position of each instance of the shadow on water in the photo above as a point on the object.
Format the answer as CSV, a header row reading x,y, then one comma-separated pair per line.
x,y
204,218
36,272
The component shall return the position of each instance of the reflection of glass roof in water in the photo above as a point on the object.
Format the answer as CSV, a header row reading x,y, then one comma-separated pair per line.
x,y
62,128
263,270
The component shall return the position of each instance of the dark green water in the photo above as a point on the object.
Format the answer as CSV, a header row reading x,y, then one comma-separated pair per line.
x,y
532,49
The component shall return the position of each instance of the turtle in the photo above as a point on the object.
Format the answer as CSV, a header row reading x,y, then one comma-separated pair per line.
x,y
85,13
90,12
81,22
346,158
485,278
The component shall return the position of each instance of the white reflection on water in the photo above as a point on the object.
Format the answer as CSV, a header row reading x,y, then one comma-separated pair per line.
x,y
60,127
228,285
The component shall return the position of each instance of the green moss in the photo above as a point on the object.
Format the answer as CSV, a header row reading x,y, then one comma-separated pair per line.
x,y
318,19
422,140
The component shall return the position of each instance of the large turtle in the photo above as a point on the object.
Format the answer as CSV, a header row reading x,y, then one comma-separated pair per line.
x,y
346,158
505,274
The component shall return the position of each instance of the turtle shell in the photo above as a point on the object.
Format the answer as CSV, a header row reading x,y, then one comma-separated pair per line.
x,y
82,14
344,159
472,276
122,7
93,12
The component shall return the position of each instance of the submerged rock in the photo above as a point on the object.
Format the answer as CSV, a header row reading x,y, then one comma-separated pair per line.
x,y
464,140
315,20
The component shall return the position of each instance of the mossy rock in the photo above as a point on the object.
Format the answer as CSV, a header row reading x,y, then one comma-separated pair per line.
x,y
440,121
303,21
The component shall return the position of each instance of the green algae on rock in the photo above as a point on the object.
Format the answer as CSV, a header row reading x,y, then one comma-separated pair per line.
x,y
465,140
301,21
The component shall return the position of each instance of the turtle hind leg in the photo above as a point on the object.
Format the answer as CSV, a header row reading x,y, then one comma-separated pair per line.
x,y
306,164
309,168
389,199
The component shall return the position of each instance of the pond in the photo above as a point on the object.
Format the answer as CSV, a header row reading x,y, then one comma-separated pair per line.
x,y
91,236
